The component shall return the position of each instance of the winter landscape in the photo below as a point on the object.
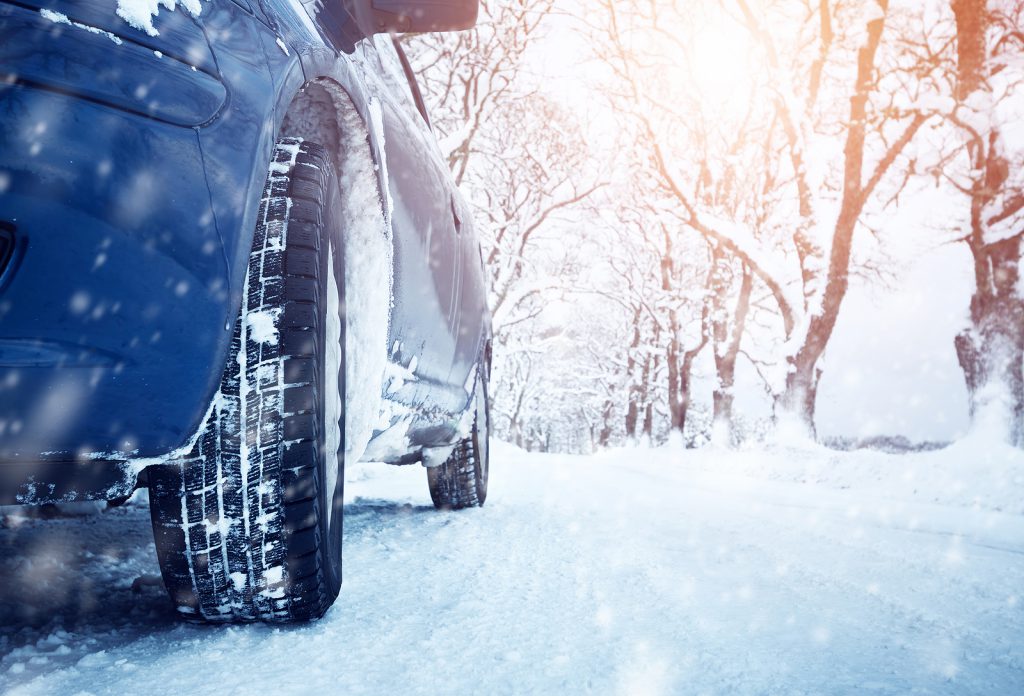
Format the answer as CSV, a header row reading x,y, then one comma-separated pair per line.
x,y
757,393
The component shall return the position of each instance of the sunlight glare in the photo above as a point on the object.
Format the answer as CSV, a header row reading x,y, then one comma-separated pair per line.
x,y
720,62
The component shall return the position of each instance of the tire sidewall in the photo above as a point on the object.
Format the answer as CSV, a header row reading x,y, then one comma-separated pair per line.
x,y
482,434
331,524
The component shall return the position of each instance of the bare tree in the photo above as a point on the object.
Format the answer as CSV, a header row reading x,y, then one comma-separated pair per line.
x,y
814,99
728,325
469,77
991,349
706,227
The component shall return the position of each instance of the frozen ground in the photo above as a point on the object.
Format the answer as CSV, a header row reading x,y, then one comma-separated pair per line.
x,y
635,572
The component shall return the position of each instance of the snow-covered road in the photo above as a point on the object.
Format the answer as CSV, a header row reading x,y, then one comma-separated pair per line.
x,y
638,572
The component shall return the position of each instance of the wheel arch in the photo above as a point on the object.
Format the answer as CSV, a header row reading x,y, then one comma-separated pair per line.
x,y
340,118
317,112
314,110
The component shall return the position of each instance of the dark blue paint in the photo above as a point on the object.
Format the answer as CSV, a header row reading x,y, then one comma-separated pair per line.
x,y
131,182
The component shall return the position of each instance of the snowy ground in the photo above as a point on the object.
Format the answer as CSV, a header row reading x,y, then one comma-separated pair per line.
x,y
634,572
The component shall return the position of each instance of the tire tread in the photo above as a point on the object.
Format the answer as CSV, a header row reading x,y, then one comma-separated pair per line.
x,y
234,541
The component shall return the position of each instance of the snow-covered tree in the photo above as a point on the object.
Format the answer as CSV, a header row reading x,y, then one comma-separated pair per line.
x,y
703,202
988,89
771,128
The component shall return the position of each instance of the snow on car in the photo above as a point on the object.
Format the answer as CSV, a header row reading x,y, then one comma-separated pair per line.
x,y
225,226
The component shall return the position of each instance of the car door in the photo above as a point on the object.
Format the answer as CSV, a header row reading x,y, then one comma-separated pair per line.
x,y
469,304
425,319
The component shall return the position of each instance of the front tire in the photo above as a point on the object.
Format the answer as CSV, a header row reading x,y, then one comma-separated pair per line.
x,y
248,526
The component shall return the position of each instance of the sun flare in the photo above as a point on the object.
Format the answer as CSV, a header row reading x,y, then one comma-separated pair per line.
x,y
720,60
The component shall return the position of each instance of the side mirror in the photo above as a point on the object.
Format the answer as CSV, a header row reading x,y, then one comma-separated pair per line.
x,y
416,16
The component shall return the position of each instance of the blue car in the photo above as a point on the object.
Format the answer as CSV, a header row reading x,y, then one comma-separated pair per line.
x,y
232,258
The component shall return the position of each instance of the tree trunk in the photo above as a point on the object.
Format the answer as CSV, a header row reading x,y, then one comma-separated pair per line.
x,y
796,404
515,425
723,429
685,377
650,366
798,400
605,436
685,374
633,402
632,417
728,333
676,407
991,349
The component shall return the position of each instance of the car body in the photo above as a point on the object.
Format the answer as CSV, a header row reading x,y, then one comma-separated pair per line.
x,y
132,161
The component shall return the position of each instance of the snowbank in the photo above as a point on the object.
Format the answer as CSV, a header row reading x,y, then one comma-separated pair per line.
x,y
972,473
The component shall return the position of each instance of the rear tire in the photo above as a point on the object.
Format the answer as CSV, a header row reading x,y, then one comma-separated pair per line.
x,y
461,482
248,525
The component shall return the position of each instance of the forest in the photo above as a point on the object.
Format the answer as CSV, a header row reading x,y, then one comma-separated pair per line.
x,y
679,202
